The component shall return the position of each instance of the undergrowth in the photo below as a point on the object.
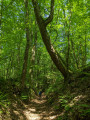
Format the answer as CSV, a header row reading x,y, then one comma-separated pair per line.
x,y
73,103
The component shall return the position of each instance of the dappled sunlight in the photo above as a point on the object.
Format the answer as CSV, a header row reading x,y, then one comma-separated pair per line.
x,y
76,99
52,117
34,110
31,116
73,102
40,101
37,109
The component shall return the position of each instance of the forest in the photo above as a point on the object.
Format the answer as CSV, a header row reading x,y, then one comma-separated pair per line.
x,y
44,59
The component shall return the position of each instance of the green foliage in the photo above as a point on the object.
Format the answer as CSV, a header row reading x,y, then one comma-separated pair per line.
x,y
84,110
67,107
62,100
69,16
24,97
81,112
70,35
4,102
53,90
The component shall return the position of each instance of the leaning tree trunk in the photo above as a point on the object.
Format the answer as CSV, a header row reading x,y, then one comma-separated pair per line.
x,y
46,38
24,70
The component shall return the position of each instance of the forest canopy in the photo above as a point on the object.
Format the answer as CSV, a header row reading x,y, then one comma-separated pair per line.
x,y
68,32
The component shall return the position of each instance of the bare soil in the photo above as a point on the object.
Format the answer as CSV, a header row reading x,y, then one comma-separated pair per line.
x,y
37,109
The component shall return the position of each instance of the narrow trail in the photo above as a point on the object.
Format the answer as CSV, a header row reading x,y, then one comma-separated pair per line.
x,y
37,109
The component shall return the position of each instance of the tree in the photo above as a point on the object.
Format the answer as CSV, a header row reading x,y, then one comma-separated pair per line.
x,y
24,70
66,37
46,38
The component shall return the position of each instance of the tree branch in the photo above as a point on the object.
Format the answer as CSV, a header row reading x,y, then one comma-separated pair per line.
x,y
46,38
39,17
49,19
37,12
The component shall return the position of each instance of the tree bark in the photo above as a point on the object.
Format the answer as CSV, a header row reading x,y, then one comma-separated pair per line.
x,y
24,70
46,38
67,34
85,54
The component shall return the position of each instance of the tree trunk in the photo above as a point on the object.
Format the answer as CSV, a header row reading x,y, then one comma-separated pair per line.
x,y
24,70
46,38
85,54
67,35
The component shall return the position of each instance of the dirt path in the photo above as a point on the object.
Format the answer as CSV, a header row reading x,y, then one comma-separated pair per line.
x,y
37,109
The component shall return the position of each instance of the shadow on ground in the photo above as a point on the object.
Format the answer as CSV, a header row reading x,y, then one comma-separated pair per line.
x,y
37,109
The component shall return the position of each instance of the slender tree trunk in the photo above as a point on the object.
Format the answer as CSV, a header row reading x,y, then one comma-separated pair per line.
x,y
32,70
68,51
24,70
73,49
46,38
35,43
18,57
85,56
67,35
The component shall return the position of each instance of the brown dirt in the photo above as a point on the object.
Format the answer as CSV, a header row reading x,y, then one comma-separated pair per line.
x,y
37,109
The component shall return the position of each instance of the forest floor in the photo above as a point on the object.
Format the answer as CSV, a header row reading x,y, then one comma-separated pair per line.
x,y
71,103
37,109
